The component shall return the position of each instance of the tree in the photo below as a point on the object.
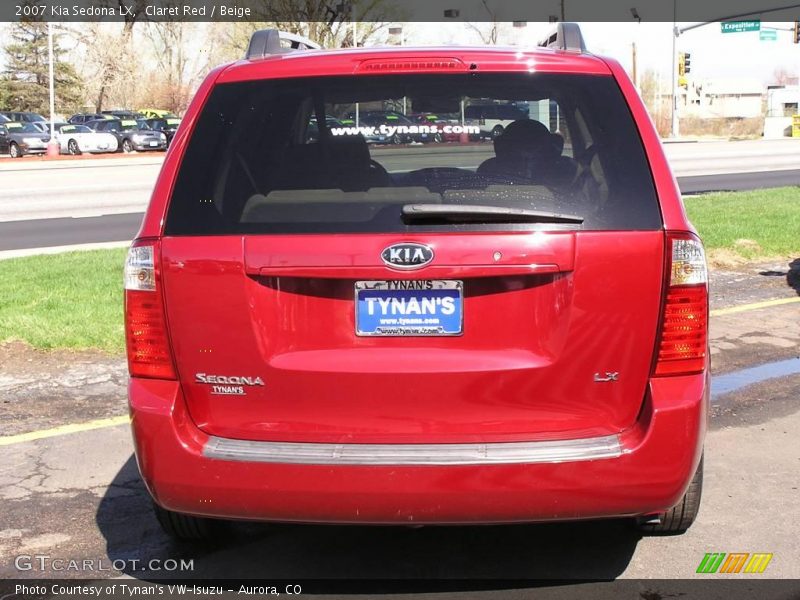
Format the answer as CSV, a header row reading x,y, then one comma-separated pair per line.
x,y
114,58
177,69
329,24
106,60
26,79
781,76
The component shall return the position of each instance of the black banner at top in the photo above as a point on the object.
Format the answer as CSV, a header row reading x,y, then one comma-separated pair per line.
x,y
395,10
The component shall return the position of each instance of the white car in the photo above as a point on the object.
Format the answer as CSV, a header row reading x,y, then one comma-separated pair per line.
x,y
76,139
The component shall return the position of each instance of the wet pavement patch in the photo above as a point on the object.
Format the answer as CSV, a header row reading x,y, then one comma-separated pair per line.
x,y
732,382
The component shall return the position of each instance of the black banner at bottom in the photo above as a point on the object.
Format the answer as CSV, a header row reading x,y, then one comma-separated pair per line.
x,y
634,589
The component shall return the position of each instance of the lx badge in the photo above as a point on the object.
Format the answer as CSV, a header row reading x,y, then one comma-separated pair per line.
x,y
609,377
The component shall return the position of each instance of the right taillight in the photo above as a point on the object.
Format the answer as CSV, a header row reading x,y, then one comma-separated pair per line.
x,y
683,344
148,348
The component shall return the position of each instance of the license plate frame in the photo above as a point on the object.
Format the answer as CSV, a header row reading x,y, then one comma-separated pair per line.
x,y
449,325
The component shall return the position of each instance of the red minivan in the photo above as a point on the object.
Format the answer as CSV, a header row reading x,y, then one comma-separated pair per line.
x,y
322,330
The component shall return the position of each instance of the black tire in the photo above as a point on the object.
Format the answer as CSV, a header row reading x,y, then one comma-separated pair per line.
x,y
127,146
188,528
438,138
396,139
680,517
15,151
497,131
72,148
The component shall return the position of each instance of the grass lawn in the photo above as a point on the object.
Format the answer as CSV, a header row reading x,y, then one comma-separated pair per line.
x,y
751,225
71,300
74,300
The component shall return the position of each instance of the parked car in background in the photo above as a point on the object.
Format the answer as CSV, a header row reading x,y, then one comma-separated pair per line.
x,y
166,125
383,121
440,122
493,118
312,131
77,139
156,113
81,118
19,139
132,134
121,114
24,117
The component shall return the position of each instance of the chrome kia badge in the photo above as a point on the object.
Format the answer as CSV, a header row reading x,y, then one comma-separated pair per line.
x,y
407,255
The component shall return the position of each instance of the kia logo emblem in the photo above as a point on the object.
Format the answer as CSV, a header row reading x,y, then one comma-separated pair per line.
x,y
407,256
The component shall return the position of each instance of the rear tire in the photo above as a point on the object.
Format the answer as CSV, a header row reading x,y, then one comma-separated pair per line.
x,y
127,146
680,517
497,131
14,151
188,528
72,148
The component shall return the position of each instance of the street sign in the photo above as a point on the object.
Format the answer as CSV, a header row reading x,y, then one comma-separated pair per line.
x,y
740,26
768,35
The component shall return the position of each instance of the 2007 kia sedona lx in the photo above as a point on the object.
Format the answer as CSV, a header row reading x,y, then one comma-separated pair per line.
x,y
322,327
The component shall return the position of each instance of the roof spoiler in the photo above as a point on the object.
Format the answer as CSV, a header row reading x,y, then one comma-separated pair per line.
x,y
266,42
565,36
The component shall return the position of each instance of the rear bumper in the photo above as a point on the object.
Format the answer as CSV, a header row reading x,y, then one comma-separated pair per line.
x,y
30,149
644,470
145,146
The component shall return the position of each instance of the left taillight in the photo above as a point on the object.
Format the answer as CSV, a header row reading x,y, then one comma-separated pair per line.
x,y
147,342
683,332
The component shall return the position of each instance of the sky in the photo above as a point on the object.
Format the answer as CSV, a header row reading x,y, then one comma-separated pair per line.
x,y
714,54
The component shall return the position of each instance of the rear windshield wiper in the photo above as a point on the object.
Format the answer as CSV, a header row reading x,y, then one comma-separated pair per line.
x,y
473,213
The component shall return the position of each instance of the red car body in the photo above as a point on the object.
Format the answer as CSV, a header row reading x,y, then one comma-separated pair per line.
x,y
571,408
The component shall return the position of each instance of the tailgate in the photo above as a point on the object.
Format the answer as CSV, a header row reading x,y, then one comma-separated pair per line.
x,y
557,337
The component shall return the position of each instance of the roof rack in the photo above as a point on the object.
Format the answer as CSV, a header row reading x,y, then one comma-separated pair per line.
x,y
266,42
565,36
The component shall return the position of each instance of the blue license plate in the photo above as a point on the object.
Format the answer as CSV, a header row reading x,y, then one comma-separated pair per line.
x,y
409,308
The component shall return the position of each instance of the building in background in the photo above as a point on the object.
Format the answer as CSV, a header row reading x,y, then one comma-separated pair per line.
x,y
782,105
724,99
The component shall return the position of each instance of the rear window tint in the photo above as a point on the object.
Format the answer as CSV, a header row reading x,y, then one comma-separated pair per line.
x,y
340,155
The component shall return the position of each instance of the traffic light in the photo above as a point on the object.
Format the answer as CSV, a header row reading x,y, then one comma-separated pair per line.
x,y
681,64
687,63
796,36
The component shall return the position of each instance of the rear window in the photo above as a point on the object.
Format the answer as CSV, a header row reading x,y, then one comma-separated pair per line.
x,y
339,155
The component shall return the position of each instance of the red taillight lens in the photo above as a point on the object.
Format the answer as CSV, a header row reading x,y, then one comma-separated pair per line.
x,y
146,338
684,323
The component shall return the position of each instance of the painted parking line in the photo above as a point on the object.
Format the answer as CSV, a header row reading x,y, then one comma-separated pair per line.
x,y
31,436
114,421
755,306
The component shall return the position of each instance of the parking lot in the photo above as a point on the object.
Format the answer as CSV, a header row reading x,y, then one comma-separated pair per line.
x,y
70,486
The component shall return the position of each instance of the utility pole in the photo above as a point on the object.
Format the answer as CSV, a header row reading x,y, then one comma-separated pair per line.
x,y
675,129
52,145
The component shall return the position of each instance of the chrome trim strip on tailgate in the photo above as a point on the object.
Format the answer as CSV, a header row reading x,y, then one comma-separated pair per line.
x,y
413,454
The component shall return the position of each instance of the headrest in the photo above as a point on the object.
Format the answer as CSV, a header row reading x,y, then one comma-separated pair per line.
x,y
349,149
526,138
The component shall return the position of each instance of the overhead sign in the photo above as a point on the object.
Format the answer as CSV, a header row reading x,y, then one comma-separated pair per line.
x,y
768,35
740,26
